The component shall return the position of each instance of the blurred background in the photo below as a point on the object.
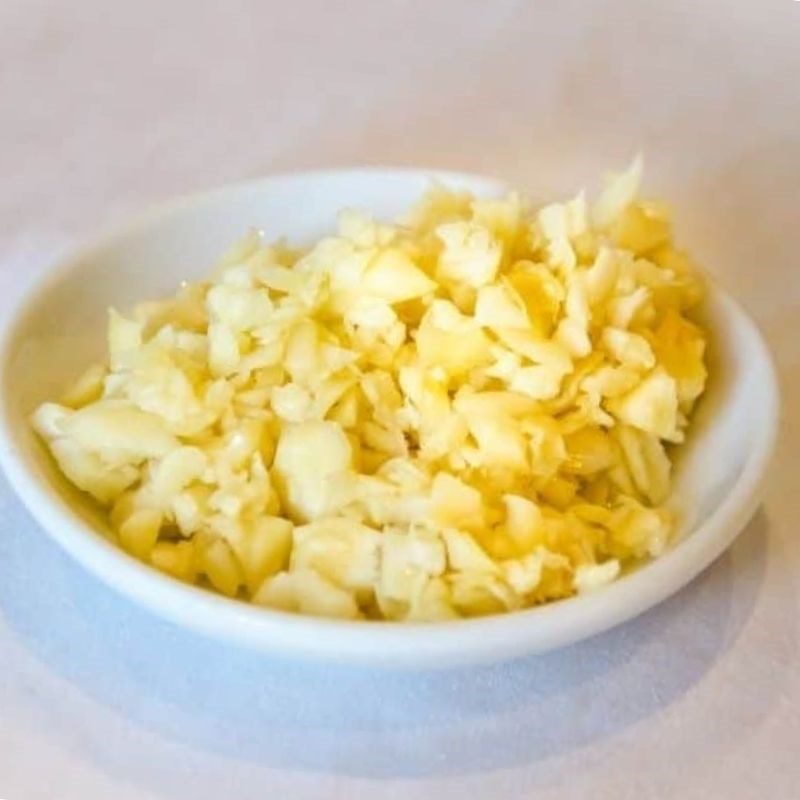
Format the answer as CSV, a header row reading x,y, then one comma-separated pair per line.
x,y
106,107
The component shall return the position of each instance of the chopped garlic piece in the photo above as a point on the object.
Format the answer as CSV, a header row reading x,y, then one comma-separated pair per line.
x,y
589,577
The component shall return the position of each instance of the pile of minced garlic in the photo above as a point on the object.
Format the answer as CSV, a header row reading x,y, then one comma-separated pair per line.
x,y
464,412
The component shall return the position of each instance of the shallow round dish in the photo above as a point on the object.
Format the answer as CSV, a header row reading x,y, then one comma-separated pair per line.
x,y
59,328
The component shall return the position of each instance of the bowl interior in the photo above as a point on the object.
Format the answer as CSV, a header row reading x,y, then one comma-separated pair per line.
x,y
61,328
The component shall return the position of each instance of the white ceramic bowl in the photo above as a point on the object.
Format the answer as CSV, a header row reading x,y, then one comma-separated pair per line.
x,y
59,329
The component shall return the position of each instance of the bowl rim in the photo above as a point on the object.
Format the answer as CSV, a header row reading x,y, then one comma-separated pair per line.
x,y
376,643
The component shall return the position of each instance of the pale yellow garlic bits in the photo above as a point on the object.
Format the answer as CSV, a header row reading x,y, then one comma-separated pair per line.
x,y
466,412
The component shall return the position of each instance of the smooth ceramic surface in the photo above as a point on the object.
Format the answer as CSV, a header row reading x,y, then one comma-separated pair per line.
x,y
59,329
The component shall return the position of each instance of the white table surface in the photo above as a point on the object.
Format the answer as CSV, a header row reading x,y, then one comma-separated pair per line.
x,y
108,106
